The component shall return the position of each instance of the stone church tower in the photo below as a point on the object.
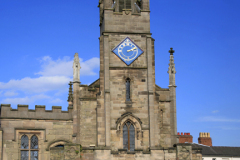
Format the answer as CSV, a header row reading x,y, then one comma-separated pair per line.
x,y
122,115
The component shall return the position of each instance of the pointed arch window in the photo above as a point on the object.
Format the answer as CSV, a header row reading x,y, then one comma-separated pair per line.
x,y
128,136
128,89
29,148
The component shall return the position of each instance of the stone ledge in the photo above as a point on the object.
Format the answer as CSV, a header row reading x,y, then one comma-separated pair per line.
x,y
118,13
162,148
96,148
145,11
109,32
125,151
126,68
108,9
88,99
183,144
164,101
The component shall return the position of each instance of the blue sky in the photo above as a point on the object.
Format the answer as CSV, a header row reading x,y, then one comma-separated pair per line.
x,y
38,40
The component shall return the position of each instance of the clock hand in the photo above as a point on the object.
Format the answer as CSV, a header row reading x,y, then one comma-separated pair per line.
x,y
132,49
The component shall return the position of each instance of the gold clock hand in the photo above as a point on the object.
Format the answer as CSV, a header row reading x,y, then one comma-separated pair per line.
x,y
132,49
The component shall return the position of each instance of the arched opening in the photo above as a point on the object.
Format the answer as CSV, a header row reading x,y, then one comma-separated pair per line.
x,y
129,136
60,146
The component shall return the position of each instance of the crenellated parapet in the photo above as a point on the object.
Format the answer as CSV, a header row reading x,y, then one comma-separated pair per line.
x,y
40,113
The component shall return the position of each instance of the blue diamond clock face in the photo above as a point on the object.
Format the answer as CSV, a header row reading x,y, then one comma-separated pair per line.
x,y
127,51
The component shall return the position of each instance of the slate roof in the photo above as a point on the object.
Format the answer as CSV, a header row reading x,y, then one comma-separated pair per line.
x,y
218,150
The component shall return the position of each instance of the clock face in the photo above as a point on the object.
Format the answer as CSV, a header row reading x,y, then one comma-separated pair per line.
x,y
127,51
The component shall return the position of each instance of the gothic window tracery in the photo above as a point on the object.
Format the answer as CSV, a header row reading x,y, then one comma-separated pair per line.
x,y
29,147
129,136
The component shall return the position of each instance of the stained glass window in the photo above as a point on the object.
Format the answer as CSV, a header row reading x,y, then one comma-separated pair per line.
x,y
132,137
34,155
129,136
125,137
34,142
29,153
24,155
24,142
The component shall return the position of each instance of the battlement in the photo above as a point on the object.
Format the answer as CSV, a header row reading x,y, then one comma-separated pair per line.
x,y
40,113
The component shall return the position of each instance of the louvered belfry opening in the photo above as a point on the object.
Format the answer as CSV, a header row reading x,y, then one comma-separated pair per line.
x,y
128,4
120,5
128,136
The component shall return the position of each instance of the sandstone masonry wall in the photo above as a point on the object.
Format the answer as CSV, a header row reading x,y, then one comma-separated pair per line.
x,y
49,133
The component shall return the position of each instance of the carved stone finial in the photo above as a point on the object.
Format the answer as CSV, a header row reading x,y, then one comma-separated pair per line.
x,y
70,94
76,68
171,68
171,51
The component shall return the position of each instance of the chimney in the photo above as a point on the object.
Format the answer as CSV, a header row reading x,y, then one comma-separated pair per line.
x,y
185,138
205,139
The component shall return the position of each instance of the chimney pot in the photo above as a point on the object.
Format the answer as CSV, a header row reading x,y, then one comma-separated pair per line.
x,y
187,138
205,139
